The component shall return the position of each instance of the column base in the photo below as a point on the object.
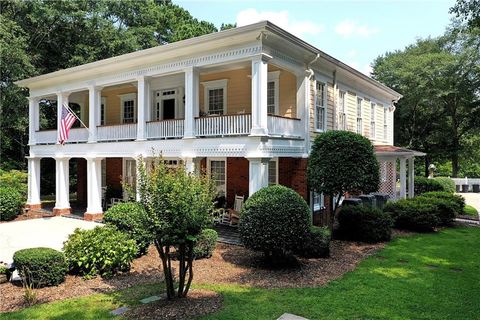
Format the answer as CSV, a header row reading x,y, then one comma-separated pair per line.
x,y
61,211
89,216
33,206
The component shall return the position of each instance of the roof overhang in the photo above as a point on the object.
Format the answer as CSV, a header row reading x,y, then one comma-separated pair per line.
x,y
387,150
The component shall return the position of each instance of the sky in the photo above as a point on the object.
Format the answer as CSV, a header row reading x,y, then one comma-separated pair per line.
x,y
355,32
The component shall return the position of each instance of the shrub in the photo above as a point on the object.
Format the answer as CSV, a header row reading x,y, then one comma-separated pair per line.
x,y
205,245
130,217
448,185
363,223
470,211
316,243
457,199
446,209
413,215
40,267
11,203
423,185
15,179
274,220
101,251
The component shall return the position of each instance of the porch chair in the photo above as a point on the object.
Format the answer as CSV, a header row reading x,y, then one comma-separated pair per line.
x,y
235,212
114,201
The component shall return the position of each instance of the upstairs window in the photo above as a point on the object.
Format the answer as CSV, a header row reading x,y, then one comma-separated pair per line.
x,y
129,107
320,107
215,102
342,115
359,116
372,120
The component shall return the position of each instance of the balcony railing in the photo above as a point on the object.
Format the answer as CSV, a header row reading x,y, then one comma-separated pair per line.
x,y
165,129
78,135
284,127
46,136
117,132
229,125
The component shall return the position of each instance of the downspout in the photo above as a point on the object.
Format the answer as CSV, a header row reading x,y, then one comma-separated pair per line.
x,y
310,73
335,116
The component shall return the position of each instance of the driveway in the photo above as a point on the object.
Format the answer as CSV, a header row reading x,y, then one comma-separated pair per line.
x,y
472,199
45,232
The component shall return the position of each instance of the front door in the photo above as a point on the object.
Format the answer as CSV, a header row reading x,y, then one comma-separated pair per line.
x,y
168,109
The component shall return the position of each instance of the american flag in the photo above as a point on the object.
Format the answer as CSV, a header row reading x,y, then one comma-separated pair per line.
x,y
68,119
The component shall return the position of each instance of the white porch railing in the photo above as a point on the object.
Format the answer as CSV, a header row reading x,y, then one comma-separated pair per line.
x,y
284,127
229,125
78,135
46,136
126,131
165,129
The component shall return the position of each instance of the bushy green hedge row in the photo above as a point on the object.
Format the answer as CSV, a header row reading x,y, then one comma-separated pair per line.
x,y
11,203
40,267
448,185
444,184
205,244
364,223
316,243
101,251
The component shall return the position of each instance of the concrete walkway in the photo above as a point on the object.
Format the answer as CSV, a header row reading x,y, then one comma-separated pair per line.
x,y
44,232
472,199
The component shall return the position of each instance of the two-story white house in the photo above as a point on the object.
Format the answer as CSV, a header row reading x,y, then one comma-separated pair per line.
x,y
243,104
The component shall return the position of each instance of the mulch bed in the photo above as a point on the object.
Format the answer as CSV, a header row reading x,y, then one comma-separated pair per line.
x,y
229,264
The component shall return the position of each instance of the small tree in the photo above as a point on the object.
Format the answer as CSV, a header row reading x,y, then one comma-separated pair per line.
x,y
341,162
178,206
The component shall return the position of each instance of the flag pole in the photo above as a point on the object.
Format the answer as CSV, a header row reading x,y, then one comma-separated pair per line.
x,y
71,111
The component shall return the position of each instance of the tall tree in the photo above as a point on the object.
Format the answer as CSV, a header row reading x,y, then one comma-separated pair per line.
x,y
468,11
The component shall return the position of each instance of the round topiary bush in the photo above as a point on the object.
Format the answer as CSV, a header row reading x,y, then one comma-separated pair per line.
x,y
274,220
101,251
130,217
363,223
205,244
40,267
316,243
11,203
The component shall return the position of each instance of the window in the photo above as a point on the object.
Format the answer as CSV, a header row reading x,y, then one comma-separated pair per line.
x,y
372,120
129,176
317,201
103,109
129,107
342,115
272,92
215,100
359,116
385,124
272,172
320,107
218,175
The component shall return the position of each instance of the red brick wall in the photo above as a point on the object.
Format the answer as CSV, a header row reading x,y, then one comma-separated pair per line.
x,y
292,173
114,173
237,179
81,181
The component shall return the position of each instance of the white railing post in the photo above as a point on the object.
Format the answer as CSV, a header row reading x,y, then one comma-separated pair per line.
x,y
191,101
143,106
33,119
62,98
94,102
259,95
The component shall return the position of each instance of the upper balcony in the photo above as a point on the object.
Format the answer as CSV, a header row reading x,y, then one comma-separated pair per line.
x,y
198,103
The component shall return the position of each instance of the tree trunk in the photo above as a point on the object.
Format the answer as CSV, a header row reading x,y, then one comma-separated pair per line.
x,y
165,257
454,158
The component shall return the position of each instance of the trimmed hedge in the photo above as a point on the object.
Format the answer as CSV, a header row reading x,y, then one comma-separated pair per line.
x,y
274,220
364,223
101,251
40,267
455,198
448,185
316,243
130,217
412,214
205,244
423,185
11,203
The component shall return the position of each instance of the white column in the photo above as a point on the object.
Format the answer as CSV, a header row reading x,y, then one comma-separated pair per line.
x,y
403,178
139,160
411,177
94,185
62,98
259,95
302,102
33,181
143,106
33,119
191,102
62,195
258,174
189,165
94,103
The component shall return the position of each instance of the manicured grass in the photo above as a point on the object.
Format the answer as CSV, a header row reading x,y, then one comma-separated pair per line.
x,y
470,211
429,276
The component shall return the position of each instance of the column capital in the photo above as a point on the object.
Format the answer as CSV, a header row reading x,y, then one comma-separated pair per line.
x,y
92,87
33,99
34,158
63,94
190,69
142,78
61,158
265,57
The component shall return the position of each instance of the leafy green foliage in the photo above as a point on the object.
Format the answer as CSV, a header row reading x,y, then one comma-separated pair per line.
x,y
316,243
363,223
470,211
458,200
205,244
423,185
274,220
15,179
101,251
11,203
40,267
448,185
341,162
130,217
468,11
413,215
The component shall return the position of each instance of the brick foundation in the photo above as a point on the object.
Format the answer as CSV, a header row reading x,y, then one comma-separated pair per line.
x,y
36,206
92,216
60,211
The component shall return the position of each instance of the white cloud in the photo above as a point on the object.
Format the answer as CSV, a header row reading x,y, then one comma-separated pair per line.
x,y
348,28
280,18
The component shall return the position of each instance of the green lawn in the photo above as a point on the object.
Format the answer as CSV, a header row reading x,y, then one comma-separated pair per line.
x,y
470,211
431,276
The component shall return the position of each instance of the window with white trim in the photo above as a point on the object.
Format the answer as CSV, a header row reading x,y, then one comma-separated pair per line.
x,y
359,116
385,124
317,201
215,100
321,107
129,107
272,172
103,109
218,175
272,92
373,128
342,115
